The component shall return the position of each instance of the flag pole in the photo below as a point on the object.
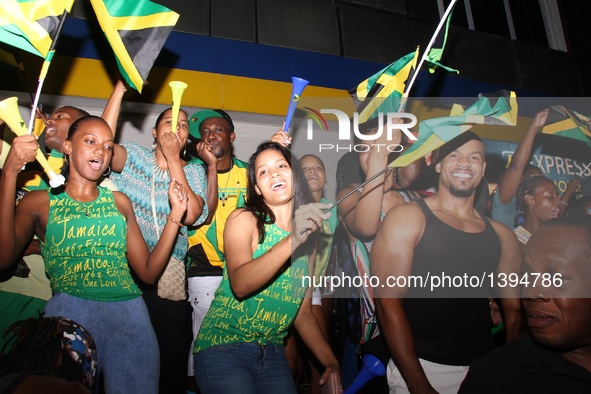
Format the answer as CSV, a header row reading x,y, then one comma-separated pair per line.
x,y
46,64
425,54
403,99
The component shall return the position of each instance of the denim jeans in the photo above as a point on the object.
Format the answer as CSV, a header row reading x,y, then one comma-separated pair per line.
x,y
127,348
247,368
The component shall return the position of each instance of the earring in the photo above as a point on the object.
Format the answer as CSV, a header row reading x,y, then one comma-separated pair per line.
x,y
154,144
107,171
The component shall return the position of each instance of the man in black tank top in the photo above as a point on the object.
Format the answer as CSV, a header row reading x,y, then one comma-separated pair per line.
x,y
436,260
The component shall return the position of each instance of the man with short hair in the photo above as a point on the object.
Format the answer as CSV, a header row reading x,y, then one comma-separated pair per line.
x,y
226,188
555,355
433,336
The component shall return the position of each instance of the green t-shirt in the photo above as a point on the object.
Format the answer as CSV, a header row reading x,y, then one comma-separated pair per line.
x,y
263,317
85,248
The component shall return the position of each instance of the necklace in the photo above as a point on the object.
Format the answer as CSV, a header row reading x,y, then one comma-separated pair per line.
x,y
85,207
158,171
88,208
223,196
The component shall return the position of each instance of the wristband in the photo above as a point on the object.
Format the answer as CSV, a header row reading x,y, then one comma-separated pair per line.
x,y
175,221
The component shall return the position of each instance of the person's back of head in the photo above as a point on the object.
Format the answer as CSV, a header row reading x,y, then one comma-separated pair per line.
x,y
53,346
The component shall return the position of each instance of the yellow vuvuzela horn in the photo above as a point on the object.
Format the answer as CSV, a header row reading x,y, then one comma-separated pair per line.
x,y
10,115
178,88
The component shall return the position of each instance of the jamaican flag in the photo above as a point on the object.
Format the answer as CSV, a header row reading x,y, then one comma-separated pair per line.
x,y
137,31
499,108
381,93
566,122
31,25
436,51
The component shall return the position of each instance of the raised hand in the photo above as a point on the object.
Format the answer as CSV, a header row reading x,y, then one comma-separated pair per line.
x,y
308,218
171,146
281,137
23,150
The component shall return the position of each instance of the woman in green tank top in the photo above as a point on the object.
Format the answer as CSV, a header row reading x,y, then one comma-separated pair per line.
x,y
268,250
90,240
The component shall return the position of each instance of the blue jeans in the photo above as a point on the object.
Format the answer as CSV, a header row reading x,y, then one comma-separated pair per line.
x,y
248,368
126,345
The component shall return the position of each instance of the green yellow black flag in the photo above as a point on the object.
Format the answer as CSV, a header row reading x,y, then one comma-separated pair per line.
x,y
137,31
499,108
382,92
566,122
31,25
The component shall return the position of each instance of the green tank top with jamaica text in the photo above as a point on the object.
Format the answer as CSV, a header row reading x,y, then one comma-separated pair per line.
x,y
263,317
85,248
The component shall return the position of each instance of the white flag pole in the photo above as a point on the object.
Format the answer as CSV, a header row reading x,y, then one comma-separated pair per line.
x,y
426,53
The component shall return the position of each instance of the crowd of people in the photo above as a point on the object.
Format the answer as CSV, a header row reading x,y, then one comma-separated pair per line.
x,y
180,268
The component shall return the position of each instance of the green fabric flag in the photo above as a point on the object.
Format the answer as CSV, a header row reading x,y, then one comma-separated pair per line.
x,y
566,122
499,108
137,31
31,25
437,48
382,92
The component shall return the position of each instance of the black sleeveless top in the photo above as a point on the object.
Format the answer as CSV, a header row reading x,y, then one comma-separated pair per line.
x,y
451,324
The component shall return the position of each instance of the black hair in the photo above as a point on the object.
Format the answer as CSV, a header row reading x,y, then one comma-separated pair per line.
x,y
74,127
527,187
81,113
37,347
314,156
454,144
159,118
255,202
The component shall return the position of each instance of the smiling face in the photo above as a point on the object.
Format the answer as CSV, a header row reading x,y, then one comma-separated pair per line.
x,y
462,169
314,172
559,317
90,148
58,124
273,177
164,125
217,133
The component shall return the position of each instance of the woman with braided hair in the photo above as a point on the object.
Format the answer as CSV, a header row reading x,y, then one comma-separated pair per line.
x,y
49,355
537,201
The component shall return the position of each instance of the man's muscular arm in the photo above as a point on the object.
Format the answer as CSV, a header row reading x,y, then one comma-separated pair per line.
x,y
395,240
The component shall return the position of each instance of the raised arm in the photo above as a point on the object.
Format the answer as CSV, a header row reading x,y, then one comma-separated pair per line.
x,y
113,107
17,226
148,266
111,116
248,275
510,179
364,218
395,241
